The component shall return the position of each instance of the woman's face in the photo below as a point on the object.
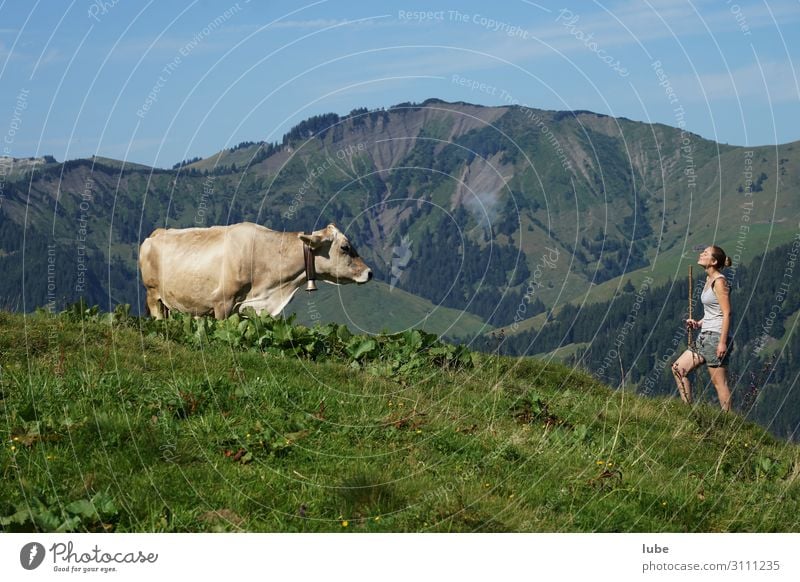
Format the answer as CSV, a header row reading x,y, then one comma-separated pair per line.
x,y
705,259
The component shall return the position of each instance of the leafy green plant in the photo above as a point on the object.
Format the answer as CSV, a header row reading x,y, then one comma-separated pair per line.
x,y
768,468
385,354
45,515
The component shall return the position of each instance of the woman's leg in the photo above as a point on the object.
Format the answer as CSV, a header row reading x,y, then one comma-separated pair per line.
x,y
719,377
685,363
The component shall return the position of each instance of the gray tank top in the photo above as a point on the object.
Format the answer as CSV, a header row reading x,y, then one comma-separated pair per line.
x,y
712,314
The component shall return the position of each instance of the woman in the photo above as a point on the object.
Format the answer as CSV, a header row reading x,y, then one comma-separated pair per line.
x,y
712,345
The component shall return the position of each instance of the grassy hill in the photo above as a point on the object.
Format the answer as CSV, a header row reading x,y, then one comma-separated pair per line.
x,y
112,423
241,157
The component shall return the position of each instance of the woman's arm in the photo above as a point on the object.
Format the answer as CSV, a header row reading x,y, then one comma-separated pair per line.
x,y
723,296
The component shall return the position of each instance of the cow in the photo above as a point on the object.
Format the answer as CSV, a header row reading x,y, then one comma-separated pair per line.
x,y
221,270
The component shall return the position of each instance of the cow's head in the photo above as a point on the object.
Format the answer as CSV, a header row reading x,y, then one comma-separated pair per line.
x,y
336,261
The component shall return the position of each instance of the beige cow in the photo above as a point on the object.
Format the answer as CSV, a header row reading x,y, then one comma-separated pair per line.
x,y
223,269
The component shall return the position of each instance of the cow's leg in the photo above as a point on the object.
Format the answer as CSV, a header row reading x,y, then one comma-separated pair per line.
x,y
154,304
223,308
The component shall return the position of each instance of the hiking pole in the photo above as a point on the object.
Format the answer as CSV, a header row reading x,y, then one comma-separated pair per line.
x,y
689,329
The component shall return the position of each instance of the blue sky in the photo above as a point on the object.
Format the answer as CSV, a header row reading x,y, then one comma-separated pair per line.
x,y
156,83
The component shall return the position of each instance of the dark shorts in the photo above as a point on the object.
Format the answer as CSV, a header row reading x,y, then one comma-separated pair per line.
x,y
706,347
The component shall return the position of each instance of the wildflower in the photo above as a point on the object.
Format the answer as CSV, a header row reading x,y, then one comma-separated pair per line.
x,y
377,518
345,523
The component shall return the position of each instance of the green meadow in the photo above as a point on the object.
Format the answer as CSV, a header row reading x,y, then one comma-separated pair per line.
x,y
112,423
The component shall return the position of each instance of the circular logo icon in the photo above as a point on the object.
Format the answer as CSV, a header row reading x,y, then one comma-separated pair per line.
x,y
31,556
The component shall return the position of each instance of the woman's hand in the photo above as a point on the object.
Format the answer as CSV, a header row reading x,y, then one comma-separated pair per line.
x,y
694,323
722,349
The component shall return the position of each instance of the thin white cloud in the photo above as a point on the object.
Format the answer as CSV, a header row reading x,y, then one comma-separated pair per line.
x,y
646,19
312,24
52,55
14,56
745,83
225,36
625,25
380,20
163,47
636,22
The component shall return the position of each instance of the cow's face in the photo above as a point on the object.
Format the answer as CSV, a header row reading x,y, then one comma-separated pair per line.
x,y
336,261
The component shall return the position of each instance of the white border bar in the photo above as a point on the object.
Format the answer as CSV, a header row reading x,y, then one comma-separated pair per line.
x,y
409,557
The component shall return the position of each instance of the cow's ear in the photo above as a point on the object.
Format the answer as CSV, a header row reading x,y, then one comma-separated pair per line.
x,y
315,240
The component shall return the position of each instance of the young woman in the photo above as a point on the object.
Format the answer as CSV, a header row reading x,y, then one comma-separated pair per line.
x,y
712,344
